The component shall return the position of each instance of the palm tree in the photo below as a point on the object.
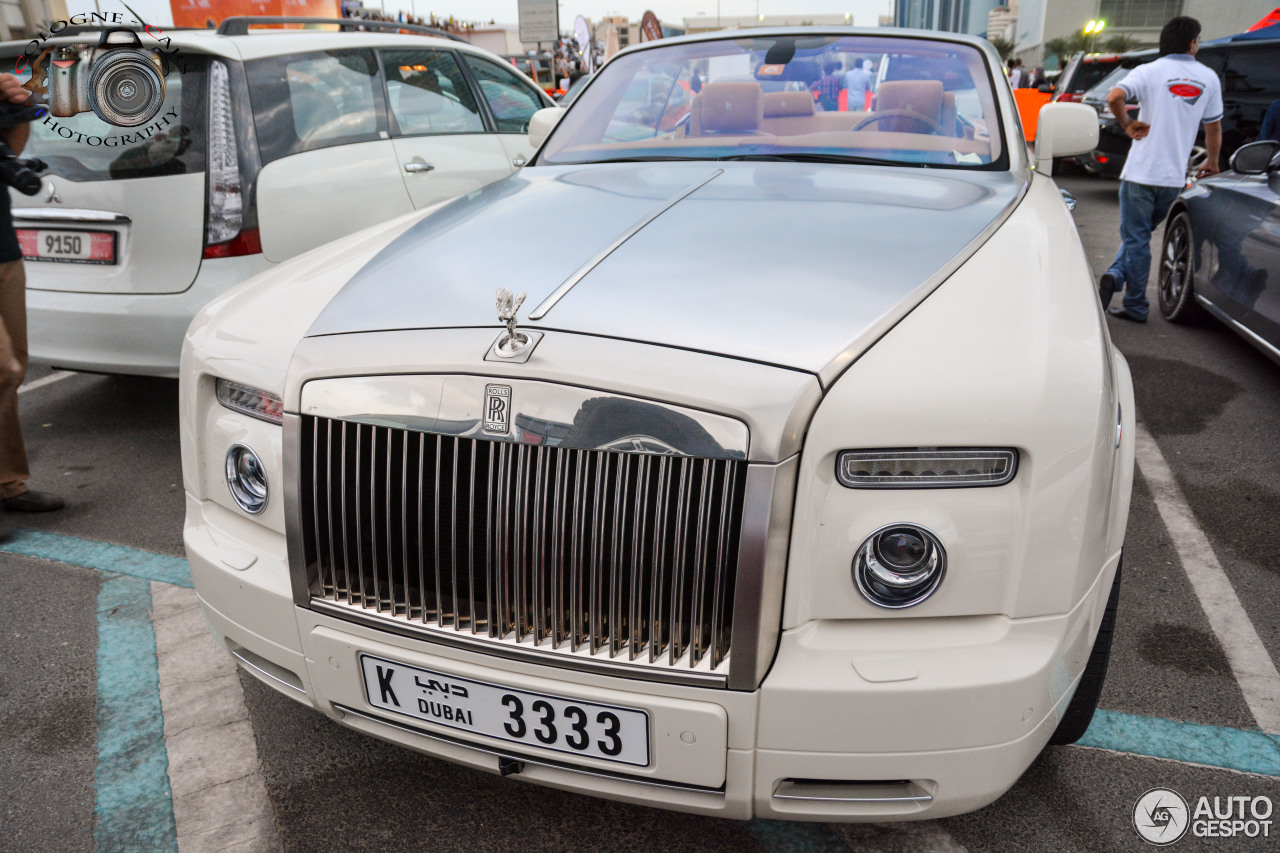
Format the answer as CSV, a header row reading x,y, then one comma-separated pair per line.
x,y
1003,46
1120,43
1059,48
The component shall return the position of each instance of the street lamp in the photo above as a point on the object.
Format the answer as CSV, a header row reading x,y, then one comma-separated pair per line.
x,y
1092,30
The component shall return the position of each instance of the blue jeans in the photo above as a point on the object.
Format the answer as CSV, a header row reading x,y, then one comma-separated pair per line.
x,y
1142,208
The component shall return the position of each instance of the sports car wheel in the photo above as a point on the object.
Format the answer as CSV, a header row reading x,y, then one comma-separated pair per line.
x,y
1177,302
1079,713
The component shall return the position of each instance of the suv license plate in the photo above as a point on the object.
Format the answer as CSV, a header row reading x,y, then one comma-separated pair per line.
x,y
67,246
552,722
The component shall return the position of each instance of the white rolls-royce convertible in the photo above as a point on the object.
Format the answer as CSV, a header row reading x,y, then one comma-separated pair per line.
x,y
790,482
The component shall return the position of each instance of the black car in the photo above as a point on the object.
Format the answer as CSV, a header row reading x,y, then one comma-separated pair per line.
x,y
1082,72
1221,251
1247,66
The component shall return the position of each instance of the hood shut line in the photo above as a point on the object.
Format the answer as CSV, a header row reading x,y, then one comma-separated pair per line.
x,y
547,304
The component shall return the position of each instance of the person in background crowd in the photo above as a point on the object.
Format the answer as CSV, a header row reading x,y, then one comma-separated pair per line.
x,y
1017,75
1271,123
828,87
859,84
14,470
1177,95
1037,77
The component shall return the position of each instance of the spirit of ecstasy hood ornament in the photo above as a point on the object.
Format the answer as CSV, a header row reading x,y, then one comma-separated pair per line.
x,y
513,342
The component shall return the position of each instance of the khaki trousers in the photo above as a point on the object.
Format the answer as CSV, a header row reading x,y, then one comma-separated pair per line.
x,y
13,367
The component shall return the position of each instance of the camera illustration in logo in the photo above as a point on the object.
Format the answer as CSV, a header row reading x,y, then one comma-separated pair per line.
x,y
122,82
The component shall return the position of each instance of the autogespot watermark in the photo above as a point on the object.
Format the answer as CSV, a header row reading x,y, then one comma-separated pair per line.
x,y
1161,816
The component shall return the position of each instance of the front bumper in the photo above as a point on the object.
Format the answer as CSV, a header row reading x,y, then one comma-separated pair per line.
x,y
897,721
126,332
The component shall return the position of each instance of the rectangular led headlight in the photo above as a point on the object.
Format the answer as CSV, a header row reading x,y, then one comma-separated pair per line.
x,y
250,401
926,469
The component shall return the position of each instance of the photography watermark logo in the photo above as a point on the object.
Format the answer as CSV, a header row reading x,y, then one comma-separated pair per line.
x,y
1161,816
120,79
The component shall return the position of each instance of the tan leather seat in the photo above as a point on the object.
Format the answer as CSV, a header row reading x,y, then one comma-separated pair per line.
x,y
923,97
730,109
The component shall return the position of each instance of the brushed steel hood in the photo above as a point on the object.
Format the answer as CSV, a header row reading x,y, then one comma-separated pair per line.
x,y
797,265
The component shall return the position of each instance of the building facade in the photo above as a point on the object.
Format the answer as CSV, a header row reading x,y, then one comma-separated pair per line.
x,y
952,16
1041,20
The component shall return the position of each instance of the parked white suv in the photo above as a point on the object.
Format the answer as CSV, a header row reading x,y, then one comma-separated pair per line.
x,y
268,144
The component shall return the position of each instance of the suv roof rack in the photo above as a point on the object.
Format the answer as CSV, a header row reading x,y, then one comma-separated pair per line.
x,y
239,25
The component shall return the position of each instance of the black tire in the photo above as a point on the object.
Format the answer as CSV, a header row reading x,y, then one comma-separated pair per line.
x,y
1075,722
1176,291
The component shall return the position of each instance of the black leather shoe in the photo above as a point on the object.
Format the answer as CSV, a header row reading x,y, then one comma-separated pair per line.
x,y
32,502
1106,288
1126,314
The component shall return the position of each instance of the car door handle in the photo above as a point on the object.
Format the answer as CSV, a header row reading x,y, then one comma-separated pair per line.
x,y
418,167
519,161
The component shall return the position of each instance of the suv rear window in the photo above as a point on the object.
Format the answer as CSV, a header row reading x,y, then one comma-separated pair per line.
x,y
305,101
86,148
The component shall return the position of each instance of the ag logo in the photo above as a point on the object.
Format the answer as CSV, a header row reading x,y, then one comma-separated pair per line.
x,y
497,409
1161,816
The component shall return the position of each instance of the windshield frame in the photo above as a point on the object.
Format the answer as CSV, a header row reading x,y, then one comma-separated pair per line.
x,y
1001,128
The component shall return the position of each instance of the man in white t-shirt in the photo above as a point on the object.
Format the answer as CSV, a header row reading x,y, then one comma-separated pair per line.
x,y
1175,95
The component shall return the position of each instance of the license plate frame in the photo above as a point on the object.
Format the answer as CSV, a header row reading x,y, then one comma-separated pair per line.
x,y
100,245
539,719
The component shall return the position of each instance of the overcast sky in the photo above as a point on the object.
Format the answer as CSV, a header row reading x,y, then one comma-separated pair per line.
x,y
865,12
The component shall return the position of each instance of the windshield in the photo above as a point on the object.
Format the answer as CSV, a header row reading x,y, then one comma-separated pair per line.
x,y
1099,92
842,98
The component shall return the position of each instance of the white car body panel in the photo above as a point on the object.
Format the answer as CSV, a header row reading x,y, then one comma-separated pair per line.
x,y
459,164
958,352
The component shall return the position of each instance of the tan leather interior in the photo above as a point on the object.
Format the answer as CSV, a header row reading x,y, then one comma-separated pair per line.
x,y
734,108
923,97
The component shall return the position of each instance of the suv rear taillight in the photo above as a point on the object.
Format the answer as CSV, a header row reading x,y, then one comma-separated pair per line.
x,y
1066,97
224,218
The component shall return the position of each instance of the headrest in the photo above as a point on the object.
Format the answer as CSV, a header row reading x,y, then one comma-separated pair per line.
x,y
779,104
731,107
918,96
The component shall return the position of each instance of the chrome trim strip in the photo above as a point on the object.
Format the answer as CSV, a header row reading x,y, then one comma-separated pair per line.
x,y
921,798
541,762
71,214
556,295
762,565
302,576
542,413
248,664
541,657
1248,334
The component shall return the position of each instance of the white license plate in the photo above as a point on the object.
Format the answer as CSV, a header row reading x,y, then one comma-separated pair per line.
x,y
66,246
537,719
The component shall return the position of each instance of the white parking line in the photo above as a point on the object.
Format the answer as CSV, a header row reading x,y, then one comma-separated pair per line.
x,y
56,376
1254,670
219,797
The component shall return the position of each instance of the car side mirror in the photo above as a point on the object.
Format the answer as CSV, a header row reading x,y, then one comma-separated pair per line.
x,y
1254,158
542,123
1064,130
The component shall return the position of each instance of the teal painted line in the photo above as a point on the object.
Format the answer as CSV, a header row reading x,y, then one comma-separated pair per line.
x,y
1214,746
783,836
131,783
103,556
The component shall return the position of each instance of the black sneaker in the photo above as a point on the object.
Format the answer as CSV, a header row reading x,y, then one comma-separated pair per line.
x,y
1106,288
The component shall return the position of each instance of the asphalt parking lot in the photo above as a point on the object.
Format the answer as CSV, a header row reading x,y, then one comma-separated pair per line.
x,y
122,727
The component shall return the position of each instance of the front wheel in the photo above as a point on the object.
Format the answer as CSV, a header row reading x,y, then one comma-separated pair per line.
x,y
1079,713
1177,279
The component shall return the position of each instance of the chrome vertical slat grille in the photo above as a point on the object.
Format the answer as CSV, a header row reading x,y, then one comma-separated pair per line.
x,y
622,556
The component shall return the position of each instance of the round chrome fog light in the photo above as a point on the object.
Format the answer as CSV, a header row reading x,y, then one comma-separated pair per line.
x,y
246,479
899,565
